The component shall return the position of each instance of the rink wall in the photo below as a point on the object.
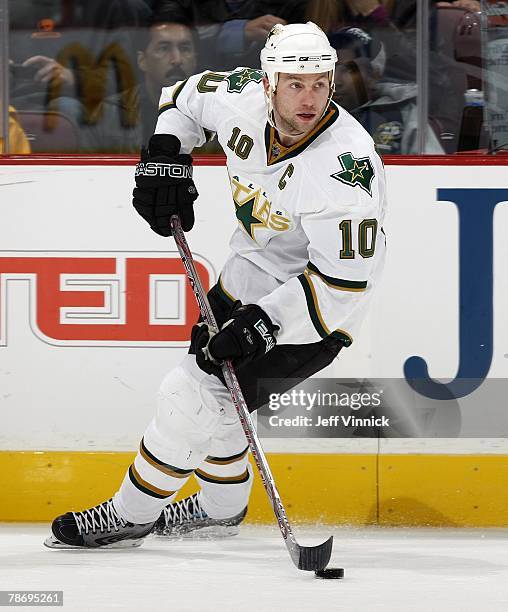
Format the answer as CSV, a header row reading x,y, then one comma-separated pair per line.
x,y
94,309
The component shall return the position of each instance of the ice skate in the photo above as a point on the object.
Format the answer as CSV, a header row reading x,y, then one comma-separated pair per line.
x,y
97,527
187,519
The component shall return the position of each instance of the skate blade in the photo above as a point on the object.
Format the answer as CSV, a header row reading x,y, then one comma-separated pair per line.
x,y
52,542
213,532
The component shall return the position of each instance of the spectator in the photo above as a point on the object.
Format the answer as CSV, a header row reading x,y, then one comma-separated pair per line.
x,y
393,23
387,110
18,142
126,120
42,83
403,12
373,17
231,32
103,14
69,59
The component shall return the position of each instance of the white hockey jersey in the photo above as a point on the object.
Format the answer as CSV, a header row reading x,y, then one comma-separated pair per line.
x,y
309,245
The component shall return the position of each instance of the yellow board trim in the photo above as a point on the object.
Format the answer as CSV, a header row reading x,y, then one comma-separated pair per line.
x,y
355,489
435,490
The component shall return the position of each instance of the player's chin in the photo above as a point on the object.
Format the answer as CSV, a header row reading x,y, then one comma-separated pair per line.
x,y
306,121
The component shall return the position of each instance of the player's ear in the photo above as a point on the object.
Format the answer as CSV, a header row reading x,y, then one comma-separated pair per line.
x,y
266,84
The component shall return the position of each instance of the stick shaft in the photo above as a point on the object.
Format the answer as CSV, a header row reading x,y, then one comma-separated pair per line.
x,y
235,392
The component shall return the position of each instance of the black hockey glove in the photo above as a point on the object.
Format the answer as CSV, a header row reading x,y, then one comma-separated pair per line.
x,y
246,336
164,185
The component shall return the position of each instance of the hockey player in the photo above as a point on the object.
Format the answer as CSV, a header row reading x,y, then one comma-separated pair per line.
x,y
309,196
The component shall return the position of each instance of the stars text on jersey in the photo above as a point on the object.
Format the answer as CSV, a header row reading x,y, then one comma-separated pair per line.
x,y
254,209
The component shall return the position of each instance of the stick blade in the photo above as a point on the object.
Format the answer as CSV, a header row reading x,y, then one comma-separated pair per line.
x,y
314,558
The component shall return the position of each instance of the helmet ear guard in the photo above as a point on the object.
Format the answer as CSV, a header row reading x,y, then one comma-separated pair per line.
x,y
298,48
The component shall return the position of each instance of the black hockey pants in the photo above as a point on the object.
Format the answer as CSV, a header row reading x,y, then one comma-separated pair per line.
x,y
286,361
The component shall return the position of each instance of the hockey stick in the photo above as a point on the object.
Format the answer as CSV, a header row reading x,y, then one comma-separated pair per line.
x,y
309,558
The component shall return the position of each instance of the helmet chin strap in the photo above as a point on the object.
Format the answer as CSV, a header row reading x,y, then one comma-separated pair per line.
x,y
271,121
271,110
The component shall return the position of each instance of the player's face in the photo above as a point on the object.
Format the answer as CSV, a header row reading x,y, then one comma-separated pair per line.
x,y
170,55
299,101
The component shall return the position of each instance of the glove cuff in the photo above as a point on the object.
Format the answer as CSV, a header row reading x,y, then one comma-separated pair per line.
x,y
164,144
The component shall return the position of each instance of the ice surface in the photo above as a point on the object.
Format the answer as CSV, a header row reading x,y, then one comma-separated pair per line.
x,y
388,570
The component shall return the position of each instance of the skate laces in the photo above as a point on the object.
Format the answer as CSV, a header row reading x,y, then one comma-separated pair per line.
x,y
102,517
187,509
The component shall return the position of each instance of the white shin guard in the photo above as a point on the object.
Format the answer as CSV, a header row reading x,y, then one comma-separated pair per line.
x,y
195,420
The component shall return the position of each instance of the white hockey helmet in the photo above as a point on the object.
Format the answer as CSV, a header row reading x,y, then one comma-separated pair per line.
x,y
297,48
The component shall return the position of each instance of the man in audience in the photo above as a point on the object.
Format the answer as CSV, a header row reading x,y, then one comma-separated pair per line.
x,y
68,59
125,121
386,110
231,32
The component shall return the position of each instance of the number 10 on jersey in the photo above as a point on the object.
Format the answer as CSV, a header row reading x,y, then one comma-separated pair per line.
x,y
367,232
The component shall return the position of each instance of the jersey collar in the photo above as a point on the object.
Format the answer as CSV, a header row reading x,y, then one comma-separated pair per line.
x,y
275,152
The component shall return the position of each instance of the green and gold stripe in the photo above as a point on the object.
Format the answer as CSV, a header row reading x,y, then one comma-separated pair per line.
x,y
145,487
243,477
172,104
285,153
315,313
337,283
165,468
227,460
224,294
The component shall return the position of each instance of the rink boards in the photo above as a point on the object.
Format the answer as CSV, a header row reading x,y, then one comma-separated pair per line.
x,y
94,310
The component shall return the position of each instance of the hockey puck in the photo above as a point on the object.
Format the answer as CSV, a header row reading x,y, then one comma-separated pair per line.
x,y
330,572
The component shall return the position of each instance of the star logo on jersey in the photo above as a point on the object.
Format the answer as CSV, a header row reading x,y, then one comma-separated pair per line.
x,y
254,211
246,204
245,213
238,80
355,172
